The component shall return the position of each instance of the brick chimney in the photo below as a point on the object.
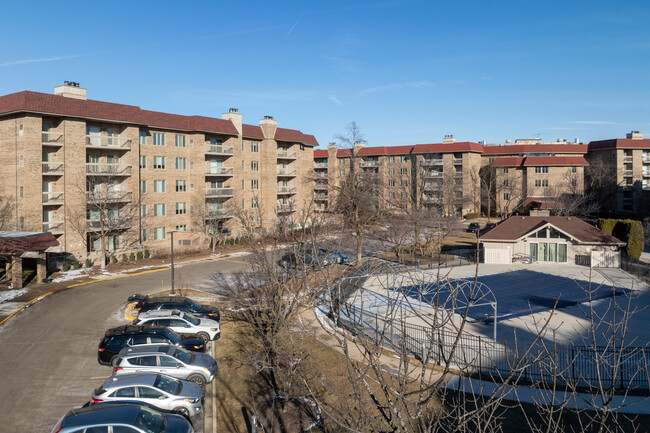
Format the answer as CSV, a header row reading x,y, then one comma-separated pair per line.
x,y
332,148
235,117
447,139
70,89
634,135
269,125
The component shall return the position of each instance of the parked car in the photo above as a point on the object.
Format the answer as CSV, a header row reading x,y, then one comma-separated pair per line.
x,y
132,418
181,322
338,256
177,362
140,403
180,303
162,391
473,227
118,338
311,257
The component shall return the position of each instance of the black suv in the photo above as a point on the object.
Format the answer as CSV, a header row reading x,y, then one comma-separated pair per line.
x,y
473,227
178,303
116,339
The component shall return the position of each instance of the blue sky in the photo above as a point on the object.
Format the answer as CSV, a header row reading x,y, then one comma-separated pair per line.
x,y
406,71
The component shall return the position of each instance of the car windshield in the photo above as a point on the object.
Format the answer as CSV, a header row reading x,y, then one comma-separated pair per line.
x,y
150,420
193,320
100,390
173,336
168,384
192,305
183,355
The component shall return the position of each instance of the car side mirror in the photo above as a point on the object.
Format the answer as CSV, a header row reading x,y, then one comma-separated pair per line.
x,y
178,366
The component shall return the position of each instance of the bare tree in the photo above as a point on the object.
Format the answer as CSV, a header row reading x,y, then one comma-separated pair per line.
x,y
7,214
210,218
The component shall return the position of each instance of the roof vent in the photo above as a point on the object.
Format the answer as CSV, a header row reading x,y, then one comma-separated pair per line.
x,y
449,138
234,110
634,135
268,117
70,89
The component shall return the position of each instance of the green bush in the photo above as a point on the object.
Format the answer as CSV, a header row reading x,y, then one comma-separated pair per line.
x,y
132,256
89,263
76,264
629,231
113,259
471,215
139,255
146,254
64,266
124,258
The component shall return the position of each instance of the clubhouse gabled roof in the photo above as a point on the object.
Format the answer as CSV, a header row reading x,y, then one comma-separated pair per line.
x,y
517,227
17,243
57,105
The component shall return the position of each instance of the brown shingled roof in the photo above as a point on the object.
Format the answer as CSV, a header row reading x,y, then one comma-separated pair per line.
x,y
516,227
463,146
294,136
252,131
17,243
321,153
516,149
619,143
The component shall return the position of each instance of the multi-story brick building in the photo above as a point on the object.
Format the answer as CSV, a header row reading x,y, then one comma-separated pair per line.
x,y
621,168
66,160
442,176
531,174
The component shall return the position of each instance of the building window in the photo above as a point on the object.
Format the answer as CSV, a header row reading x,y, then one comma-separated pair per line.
x,y
574,169
243,145
391,194
403,194
541,169
143,161
181,208
255,203
143,186
243,165
143,235
142,137
541,182
159,209
243,184
158,139
143,211
391,171
404,171
255,165
181,163
341,161
159,162
505,182
506,196
20,191
191,187
158,186
505,170
255,184
255,147
391,182
342,172
159,233
181,228
391,159
21,161
181,185
180,141
404,183
403,159
243,203
20,130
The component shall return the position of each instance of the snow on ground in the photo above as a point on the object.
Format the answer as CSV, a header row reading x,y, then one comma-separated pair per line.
x,y
238,254
8,295
71,275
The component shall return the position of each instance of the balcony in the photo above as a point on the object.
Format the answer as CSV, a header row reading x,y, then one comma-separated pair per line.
x,y
458,174
52,198
320,187
321,176
218,192
108,142
431,163
286,208
97,169
627,173
120,196
286,172
217,214
214,149
369,164
458,187
213,170
320,197
54,139
283,190
628,159
52,168
458,161
320,165
646,174
113,224
432,175
286,154
431,199
54,227
432,187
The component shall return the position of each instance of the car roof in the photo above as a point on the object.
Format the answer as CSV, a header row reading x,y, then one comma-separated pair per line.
x,y
176,299
134,329
125,413
131,379
165,313
150,349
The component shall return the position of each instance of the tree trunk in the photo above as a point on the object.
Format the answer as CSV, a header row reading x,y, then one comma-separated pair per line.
x,y
102,255
359,244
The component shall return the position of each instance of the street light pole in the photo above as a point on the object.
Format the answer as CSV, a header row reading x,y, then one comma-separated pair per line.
x,y
172,253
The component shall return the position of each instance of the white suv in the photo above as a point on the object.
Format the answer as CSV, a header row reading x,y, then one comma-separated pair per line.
x,y
181,322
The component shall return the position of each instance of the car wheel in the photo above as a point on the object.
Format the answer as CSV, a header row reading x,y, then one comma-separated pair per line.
x,y
205,337
113,361
183,412
197,378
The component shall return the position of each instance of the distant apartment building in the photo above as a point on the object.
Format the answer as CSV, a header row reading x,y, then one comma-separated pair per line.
x,y
623,169
65,158
441,176
530,175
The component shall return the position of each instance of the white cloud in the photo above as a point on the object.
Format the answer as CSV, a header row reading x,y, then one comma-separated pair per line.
x,y
593,122
395,86
335,100
48,59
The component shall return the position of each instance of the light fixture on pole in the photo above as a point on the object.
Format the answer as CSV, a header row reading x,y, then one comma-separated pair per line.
x,y
172,254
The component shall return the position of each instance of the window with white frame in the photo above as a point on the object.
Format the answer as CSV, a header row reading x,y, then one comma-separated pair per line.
x,y
181,185
404,183
142,137
255,184
255,203
255,147
255,165
181,163
143,211
159,162
181,228
158,186
541,169
159,209
143,161
181,208
143,186
404,171
391,182
391,171
158,139
159,233
143,235
180,140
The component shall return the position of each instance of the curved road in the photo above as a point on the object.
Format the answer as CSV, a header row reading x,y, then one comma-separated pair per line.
x,y
48,352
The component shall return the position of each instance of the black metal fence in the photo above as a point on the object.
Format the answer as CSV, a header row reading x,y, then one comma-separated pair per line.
x,y
587,367
634,266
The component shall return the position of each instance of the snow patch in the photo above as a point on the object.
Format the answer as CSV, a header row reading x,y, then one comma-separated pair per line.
x,y
8,295
72,274
238,254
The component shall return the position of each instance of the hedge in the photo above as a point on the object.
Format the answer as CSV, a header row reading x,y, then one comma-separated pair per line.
x,y
629,231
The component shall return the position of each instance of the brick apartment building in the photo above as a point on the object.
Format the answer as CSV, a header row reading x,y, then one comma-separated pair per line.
x,y
65,158
623,164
